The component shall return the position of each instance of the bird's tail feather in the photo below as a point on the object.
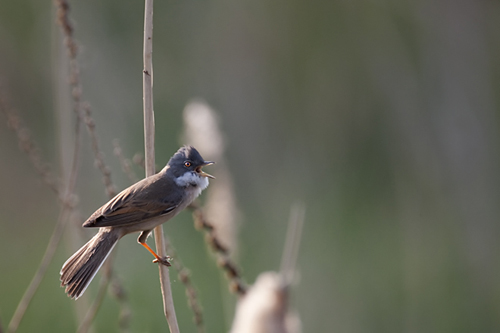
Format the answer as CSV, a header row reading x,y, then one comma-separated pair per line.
x,y
79,270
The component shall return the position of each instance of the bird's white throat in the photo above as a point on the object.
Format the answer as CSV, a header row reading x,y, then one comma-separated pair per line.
x,y
192,179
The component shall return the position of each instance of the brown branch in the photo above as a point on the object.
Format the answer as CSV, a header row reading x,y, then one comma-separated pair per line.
x,y
236,284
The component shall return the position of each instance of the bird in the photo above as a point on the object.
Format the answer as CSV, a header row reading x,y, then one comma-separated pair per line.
x,y
138,208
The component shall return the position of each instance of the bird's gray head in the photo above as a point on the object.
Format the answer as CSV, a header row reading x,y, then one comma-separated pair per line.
x,y
186,166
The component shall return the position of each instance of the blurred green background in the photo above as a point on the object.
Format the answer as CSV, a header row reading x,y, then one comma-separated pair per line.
x,y
382,116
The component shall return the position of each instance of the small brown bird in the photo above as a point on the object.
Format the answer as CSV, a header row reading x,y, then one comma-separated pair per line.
x,y
140,207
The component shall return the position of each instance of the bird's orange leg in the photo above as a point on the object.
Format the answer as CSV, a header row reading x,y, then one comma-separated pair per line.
x,y
163,261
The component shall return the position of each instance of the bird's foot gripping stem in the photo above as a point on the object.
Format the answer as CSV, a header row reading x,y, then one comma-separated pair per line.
x,y
164,261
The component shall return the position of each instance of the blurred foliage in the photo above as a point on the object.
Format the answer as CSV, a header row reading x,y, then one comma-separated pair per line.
x,y
381,116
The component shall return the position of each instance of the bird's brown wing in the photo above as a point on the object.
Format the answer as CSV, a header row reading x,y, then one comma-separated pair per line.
x,y
142,201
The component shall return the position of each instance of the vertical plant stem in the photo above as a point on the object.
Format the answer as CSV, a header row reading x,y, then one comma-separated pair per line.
x,y
149,128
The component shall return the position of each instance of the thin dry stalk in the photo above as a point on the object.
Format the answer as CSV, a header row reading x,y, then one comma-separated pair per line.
x,y
67,199
62,8
168,302
85,113
42,269
124,162
28,145
82,109
98,154
236,284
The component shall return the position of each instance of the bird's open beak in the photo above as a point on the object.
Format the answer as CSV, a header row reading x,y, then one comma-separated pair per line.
x,y
204,174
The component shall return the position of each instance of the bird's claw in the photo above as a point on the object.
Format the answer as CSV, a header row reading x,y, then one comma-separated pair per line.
x,y
164,261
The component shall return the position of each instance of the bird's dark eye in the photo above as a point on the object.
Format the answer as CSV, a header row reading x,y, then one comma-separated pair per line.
x,y
187,164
